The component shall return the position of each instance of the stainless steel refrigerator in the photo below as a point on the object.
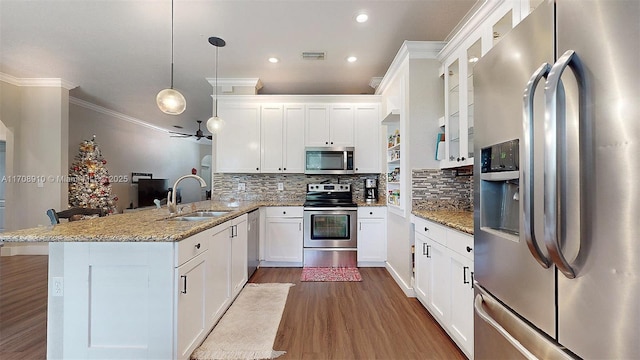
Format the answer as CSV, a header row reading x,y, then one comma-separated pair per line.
x,y
557,185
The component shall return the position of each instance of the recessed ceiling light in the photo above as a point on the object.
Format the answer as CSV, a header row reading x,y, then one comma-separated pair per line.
x,y
362,18
352,59
273,60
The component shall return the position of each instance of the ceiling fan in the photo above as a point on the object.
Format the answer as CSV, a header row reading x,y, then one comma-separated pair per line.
x,y
199,134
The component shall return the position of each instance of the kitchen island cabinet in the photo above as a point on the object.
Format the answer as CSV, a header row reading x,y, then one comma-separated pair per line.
x,y
143,299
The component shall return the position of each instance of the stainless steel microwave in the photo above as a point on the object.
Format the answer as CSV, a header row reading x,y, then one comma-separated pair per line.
x,y
328,160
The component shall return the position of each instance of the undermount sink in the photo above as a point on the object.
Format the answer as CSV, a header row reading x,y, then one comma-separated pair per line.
x,y
199,215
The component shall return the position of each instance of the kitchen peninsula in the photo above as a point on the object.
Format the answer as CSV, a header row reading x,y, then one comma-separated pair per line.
x,y
141,284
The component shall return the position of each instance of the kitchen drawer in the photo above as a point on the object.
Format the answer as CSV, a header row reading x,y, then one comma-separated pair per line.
x,y
461,243
284,211
376,212
191,247
433,231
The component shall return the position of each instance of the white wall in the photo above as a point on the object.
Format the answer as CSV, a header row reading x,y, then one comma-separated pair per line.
x,y
36,118
130,147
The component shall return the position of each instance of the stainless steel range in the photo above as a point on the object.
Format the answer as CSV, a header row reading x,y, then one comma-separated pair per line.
x,y
330,233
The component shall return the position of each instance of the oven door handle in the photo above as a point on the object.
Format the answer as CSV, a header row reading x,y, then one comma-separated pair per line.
x,y
344,209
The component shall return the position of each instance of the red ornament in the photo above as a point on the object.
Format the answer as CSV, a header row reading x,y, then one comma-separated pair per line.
x,y
104,161
194,171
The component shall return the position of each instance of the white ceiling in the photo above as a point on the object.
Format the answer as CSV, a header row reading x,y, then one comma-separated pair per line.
x,y
119,52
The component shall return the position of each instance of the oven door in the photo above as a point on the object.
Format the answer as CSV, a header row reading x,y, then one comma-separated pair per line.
x,y
330,228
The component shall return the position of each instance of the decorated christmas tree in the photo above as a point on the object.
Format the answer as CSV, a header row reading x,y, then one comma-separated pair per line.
x,y
89,180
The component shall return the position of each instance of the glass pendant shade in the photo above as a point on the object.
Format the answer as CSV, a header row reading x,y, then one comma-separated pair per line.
x,y
171,101
215,124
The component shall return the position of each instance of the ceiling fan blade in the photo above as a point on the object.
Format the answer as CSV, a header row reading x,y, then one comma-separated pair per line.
x,y
179,133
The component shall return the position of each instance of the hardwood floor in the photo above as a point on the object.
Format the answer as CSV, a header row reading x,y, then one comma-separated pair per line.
x,y
372,319
23,307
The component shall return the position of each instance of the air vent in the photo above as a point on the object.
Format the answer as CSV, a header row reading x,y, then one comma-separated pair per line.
x,y
313,55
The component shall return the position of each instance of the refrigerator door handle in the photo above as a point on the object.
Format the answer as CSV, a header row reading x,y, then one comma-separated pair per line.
x,y
551,238
527,170
484,315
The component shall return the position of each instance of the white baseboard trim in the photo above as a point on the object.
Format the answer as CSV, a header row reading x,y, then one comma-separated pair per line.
x,y
406,288
31,249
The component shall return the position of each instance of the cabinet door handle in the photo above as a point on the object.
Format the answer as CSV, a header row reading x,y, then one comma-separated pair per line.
x,y
279,169
370,212
469,249
326,143
332,143
184,284
472,279
299,227
425,250
285,169
257,168
198,246
426,228
464,275
284,212
360,226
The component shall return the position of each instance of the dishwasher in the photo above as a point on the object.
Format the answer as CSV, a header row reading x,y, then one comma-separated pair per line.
x,y
253,235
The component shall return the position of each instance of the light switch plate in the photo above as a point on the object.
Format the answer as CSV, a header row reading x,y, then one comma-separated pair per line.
x,y
241,187
280,186
58,286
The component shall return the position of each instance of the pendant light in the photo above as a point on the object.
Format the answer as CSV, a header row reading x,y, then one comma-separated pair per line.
x,y
215,124
171,101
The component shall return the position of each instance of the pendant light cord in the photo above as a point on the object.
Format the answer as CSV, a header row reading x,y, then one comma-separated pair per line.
x,y
215,108
172,44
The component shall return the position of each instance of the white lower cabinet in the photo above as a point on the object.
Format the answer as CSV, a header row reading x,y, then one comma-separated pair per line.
x,y
283,236
192,317
372,236
239,257
443,279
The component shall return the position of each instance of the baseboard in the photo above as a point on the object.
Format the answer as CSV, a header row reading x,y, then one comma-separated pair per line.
x,y
279,264
371,264
406,288
31,249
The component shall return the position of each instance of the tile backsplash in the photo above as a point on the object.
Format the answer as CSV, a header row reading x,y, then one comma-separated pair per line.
x,y
441,189
265,186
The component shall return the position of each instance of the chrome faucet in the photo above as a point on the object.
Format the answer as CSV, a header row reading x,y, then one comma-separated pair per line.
x,y
171,196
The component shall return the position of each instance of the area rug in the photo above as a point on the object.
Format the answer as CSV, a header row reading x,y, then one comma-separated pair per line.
x,y
248,329
330,274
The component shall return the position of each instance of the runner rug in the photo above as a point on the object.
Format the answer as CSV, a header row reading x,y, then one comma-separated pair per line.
x,y
248,329
330,274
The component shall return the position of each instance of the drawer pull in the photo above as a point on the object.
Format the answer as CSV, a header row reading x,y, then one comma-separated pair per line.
x,y
426,228
284,212
464,274
370,212
198,246
469,249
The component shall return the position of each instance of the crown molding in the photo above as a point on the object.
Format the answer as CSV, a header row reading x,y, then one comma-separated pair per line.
x,y
470,23
300,99
409,50
227,84
375,82
115,114
37,82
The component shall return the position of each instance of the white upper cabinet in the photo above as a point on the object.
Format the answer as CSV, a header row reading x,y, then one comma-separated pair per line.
x,y
317,125
272,144
282,143
238,144
483,30
341,125
367,139
329,125
293,157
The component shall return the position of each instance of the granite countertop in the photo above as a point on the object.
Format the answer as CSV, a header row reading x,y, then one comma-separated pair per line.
x,y
459,220
145,225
